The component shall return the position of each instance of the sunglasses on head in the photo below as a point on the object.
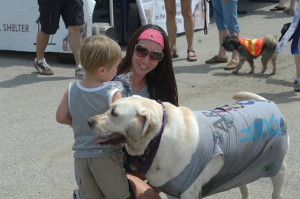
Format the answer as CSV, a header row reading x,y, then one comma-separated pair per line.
x,y
142,51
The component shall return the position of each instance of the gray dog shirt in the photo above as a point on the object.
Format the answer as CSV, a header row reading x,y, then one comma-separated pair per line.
x,y
250,135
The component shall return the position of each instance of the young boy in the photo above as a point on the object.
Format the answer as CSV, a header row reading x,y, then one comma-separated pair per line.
x,y
100,170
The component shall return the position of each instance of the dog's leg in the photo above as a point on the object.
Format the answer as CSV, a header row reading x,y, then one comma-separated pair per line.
x,y
274,63
239,66
265,58
210,170
264,66
278,179
244,192
251,62
277,182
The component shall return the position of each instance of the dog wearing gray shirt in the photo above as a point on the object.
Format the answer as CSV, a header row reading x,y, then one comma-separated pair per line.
x,y
194,154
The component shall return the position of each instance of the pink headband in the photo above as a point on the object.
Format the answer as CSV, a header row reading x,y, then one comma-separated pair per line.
x,y
152,35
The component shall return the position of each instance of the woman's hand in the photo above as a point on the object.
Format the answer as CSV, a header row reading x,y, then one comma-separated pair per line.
x,y
141,189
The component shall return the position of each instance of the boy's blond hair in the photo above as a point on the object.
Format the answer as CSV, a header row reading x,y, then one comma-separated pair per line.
x,y
99,51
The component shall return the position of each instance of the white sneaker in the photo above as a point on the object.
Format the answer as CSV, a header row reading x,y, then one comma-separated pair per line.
x,y
42,67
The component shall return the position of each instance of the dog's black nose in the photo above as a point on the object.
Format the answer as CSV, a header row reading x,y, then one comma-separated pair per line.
x,y
91,123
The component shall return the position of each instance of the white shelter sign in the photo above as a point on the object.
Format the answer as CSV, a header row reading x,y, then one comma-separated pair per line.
x,y
19,26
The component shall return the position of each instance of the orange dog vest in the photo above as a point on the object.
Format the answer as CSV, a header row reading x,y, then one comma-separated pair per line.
x,y
254,46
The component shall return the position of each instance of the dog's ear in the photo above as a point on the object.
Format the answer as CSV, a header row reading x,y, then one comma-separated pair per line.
x,y
226,37
149,122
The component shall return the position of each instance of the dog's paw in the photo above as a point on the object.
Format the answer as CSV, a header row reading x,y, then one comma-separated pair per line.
x,y
273,73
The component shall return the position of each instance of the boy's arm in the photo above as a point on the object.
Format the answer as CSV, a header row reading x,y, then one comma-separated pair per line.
x,y
116,96
63,115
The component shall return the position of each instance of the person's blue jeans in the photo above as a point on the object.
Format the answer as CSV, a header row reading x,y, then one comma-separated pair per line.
x,y
294,46
225,14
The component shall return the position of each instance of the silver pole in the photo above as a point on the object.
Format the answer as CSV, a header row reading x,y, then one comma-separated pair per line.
x,y
111,12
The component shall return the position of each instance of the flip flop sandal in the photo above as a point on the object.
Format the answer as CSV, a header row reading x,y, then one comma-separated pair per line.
x,y
191,58
174,54
217,59
276,8
289,11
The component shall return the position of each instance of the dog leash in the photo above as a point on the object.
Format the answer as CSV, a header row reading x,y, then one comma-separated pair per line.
x,y
205,17
144,161
289,33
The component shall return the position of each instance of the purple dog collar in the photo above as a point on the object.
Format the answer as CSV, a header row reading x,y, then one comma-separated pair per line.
x,y
144,161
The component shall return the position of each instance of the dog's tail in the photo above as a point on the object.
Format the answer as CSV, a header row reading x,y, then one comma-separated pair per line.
x,y
270,41
271,37
243,95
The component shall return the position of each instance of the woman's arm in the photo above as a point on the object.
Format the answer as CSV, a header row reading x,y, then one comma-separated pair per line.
x,y
63,115
141,189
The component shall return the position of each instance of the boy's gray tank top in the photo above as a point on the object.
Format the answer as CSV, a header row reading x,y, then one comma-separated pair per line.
x,y
85,103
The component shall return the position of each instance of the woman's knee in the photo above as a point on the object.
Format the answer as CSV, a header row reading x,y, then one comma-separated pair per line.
x,y
186,8
170,6
170,13
186,14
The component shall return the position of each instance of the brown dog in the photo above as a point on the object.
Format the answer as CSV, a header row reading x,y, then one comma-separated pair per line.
x,y
267,51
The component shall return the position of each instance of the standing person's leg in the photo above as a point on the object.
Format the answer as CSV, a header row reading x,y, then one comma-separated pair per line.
x,y
41,44
222,34
222,30
291,9
297,80
73,17
292,5
280,6
75,40
230,18
170,6
88,186
295,46
40,62
186,11
297,62
47,27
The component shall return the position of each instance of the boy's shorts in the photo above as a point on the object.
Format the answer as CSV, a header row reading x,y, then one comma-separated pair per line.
x,y
102,176
50,11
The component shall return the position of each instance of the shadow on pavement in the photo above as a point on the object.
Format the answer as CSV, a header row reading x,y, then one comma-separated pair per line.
x,y
26,79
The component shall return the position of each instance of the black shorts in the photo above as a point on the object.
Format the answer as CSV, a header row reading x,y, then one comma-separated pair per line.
x,y
51,10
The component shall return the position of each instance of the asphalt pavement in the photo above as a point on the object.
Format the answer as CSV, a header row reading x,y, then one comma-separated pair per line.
x,y
35,154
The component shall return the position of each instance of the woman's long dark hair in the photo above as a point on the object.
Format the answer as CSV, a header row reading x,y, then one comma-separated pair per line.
x,y
161,80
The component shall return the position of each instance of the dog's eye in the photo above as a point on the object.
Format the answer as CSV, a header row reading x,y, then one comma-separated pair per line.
x,y
113,113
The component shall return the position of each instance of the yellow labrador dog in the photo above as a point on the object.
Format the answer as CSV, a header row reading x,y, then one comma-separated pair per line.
x,y
193,154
